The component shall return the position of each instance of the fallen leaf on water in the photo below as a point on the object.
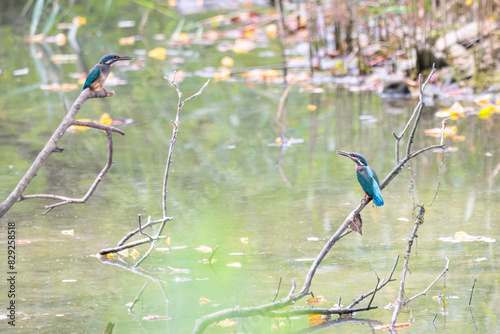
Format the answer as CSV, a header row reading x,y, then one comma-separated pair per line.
x,y
159,53
227,61
65,87
462,236
399,325
222,74
23,242
316,300
127,40
235,264
458,138
244,240
135,254
156,317
311,107
227,323
111,256
68,232
204,249
79,20
205,261
64,58
179,76
485,112
436,132
204,301
272,30
317,319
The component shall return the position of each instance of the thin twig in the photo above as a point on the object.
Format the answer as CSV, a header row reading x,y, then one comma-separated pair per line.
x,y
423,293
98,126
277,290
134,232
130,309
129,245
140,227
472,291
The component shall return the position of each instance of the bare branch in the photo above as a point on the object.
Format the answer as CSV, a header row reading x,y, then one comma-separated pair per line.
x,y
50,147
134,232
98,126
431,285
66,200
129,245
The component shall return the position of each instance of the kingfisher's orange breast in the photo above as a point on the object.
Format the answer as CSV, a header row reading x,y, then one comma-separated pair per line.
x,y
97,84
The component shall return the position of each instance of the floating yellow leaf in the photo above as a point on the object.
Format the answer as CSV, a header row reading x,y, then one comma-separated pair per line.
x,y
204,301
106,119
436,132
111,256
65,87
485,112
316,300
317,319
227,323
244,240
79,20
243,46
461,235
311,107
135,254
235,265
158,53
457,110
204,249
458,138
68,232
227,61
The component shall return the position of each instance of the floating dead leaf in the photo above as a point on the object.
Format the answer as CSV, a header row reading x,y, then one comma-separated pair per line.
x,y
462,236
204,249
204,301
159,53
68,232
242,45
111,256
127,40
20,242
399,325
79,20
222,74
457,110
179,76
311,107
244,240
316,300
436,132
357,224
205,261
227,61
178,271
135,254
458,138
168,241
156,317
65,58
65,87
235,265
182,38
124,253
227,323
317,319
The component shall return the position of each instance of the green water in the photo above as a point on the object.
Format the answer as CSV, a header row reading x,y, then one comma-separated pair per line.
x,y
225,185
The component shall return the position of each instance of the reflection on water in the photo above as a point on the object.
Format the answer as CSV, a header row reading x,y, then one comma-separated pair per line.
x,y
228,184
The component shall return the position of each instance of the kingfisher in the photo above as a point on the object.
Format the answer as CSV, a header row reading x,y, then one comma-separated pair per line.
x,y
98,74
367,177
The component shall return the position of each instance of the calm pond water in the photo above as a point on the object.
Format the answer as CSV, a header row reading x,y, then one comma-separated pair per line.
x,y
225,185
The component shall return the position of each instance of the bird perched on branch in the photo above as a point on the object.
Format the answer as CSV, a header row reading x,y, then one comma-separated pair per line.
x,y
367,177
99,73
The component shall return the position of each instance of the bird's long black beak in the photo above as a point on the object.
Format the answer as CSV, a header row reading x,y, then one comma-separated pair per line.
x,y
345,154
125,58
